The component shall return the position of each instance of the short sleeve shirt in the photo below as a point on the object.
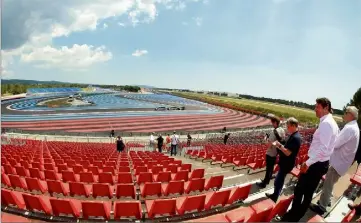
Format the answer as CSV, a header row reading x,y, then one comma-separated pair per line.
x,y
293,144
272,151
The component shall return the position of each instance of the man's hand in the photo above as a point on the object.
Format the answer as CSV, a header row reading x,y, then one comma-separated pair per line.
x,y
304,168
277,144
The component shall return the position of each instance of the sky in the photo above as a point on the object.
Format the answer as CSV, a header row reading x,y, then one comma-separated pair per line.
x,y
291,49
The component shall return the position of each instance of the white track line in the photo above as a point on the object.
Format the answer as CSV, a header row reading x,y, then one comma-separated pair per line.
x,y
235,176
339,212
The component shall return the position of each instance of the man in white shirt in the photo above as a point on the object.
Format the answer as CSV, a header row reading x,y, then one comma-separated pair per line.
x,y
341,158
174,143
317,164
152,140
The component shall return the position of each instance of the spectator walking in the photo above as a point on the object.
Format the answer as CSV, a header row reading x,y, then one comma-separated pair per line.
x,y
152,141
341,158
226,137
316,166
160,141
287,154
167,140
120,144
112,133
174,144
278,134
189,139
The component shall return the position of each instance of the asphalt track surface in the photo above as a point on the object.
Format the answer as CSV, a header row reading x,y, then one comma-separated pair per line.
x,y
197,118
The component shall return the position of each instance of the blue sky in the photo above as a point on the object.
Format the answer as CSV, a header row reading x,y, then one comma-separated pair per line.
x,y
291,49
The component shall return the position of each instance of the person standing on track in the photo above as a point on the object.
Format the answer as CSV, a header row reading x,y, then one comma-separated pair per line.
x,y
226,137
174,144
316,166
167,141
189,140
160,141
278,134
120,144
152,141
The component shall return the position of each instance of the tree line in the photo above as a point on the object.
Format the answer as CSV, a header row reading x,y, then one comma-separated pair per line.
x,y
20,88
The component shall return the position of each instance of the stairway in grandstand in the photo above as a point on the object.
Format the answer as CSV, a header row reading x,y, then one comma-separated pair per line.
x,y
207,182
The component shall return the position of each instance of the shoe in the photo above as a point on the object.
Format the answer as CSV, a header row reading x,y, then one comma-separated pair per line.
x,y
329,204
317,209
271,196
261,184
352,206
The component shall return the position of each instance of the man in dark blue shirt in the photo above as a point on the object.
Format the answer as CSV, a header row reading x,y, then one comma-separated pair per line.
x,y
287,155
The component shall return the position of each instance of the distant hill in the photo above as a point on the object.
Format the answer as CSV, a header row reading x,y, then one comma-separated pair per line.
x,y
145,86
21,81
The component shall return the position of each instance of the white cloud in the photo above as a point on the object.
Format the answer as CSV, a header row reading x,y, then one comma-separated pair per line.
x,y
121,24
105,26
73,58
198,21
139,53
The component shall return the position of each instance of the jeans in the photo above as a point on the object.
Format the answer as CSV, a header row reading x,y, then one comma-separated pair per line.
x,y
279,181
304,190
173,150
270,163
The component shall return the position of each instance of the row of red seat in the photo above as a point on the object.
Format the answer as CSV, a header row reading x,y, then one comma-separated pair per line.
x,y
106,190
53,206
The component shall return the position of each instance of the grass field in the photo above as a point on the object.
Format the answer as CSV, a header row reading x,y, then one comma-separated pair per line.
x,y
302,114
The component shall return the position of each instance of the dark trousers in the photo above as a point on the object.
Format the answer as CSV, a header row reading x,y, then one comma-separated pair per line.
x,y
270,163
173,150
279,181
160,148
304,190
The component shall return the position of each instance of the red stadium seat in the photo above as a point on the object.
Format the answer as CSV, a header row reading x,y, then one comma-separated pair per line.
x,y
106,178
125,190
349,216
102,190
181,175
124,169
12,198
69,176
239,194
316,218
160,207
197,173
94,170
217,198
78,169
51,175
194,185
151,189
17,182
108,169
96,209
162,177
36,184
144,177
39,203
258,212
214,182
66,206
57,187
127,209
173,187
87,177
186,166
125,178
141,169
156,169
5,180
79,189
13,218
35,173
21,171
281,208
190,203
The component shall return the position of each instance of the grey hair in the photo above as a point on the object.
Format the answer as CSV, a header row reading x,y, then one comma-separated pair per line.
x,y
353,110
292,121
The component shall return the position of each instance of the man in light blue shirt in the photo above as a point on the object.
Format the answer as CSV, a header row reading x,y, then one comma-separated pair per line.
x,y
341,158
